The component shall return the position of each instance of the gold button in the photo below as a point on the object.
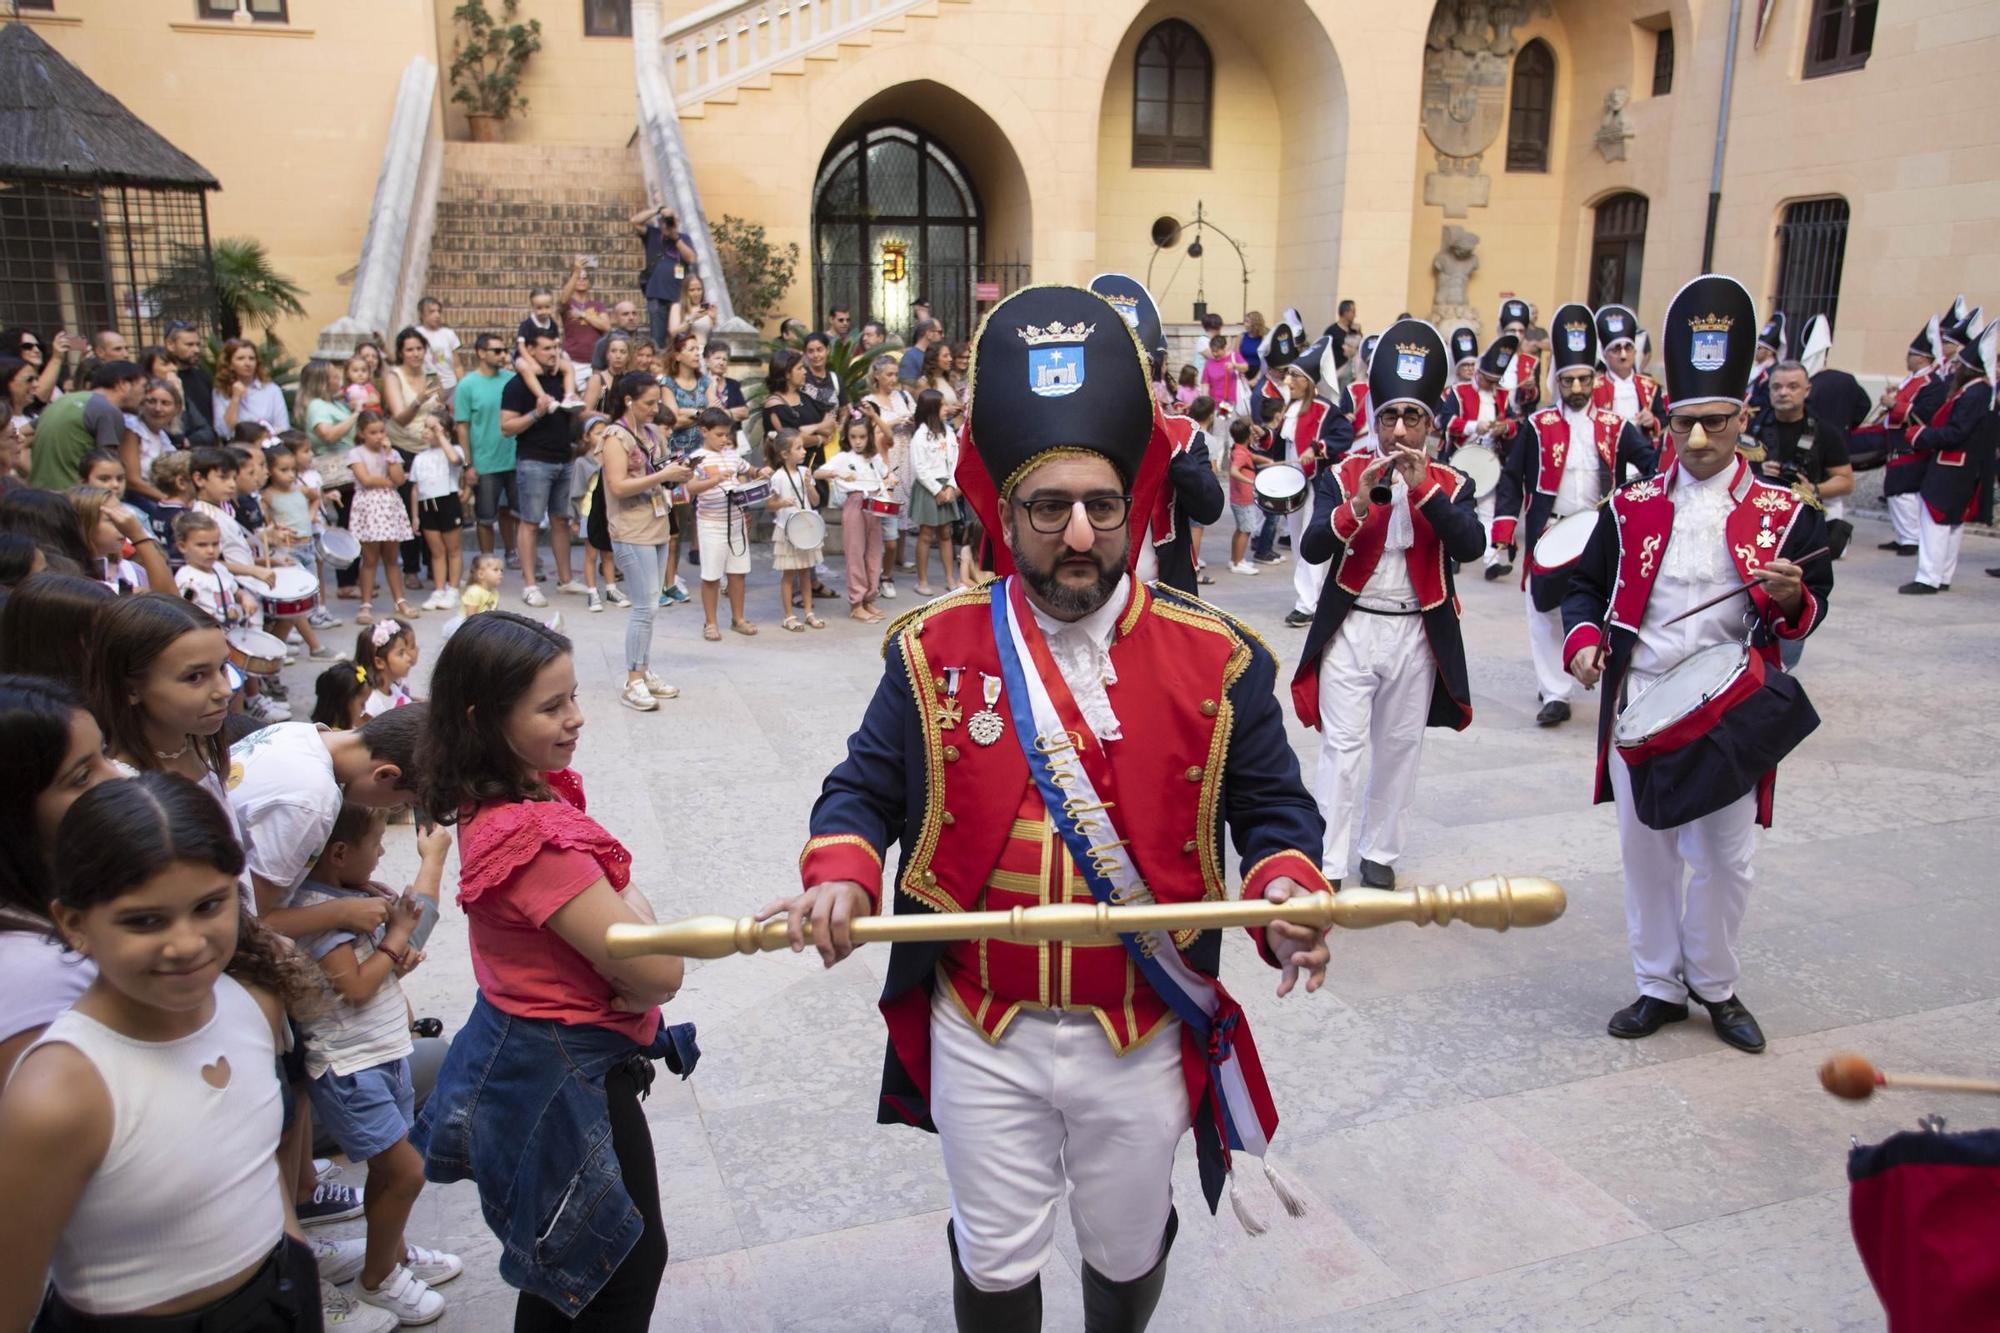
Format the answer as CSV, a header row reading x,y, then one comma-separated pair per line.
x,y
950,818
1209,708
940,682
930,879
951,754
1188,846
1194,773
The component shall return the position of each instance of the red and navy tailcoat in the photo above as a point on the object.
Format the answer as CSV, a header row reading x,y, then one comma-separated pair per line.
x,y
1534,469
1461,416
1204,742
1193,493
1917,400
1527,382
1958,444
1652,398
1611,584
1445,526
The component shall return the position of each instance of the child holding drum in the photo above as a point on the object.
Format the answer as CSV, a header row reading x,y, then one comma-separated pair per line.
x,y
798,533
289,530
862,483
721,523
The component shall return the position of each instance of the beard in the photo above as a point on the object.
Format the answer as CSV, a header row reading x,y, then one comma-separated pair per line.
x,y
1576,402
1071,600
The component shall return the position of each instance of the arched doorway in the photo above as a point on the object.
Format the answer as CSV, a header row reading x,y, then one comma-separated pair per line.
x,y
1618,250
895,218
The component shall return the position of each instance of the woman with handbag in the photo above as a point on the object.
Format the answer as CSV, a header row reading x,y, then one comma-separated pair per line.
x,y
638,469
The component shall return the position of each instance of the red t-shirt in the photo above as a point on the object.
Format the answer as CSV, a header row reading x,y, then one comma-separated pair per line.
x,y
579,335
1242,492
524,968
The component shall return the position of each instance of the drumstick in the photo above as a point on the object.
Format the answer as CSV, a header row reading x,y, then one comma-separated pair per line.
x,y
1746,586
1850,1076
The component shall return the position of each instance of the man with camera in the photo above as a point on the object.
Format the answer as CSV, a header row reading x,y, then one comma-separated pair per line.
x,y
669,259
1808,455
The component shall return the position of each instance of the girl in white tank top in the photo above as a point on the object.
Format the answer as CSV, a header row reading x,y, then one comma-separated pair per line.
x,y
145,1120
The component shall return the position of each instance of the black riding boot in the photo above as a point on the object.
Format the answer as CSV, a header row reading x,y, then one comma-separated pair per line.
x,y
1016,1311
1127,1307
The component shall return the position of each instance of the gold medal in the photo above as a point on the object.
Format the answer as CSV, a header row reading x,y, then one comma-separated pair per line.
x,y
986,726
948,713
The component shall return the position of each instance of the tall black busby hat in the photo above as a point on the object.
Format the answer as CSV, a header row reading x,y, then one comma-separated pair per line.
x,y
1709,341
1129,297
1499,355
1409,367
1772,335
1368,348
1926,342
1316,363
1616,324
1573,339
1965,328
1951,324
1281,347
1981,351
1464,345
1513,310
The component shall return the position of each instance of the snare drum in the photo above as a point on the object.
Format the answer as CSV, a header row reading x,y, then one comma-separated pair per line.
x,y
340,547
804,529
749,495
255,653
1282,489
1483,466
1705,733
1561,544
293,593
881,508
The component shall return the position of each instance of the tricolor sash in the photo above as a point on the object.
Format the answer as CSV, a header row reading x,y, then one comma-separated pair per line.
x,y
1074,777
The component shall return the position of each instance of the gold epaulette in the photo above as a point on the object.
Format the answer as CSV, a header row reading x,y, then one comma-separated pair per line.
x,y
1191,607
916,616
1807,497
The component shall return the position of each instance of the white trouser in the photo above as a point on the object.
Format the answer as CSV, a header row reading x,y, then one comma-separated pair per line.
x,y
1307,579
1684,939
1906,516
1545,644
1937,550
1375,683
1485,510
1052,1103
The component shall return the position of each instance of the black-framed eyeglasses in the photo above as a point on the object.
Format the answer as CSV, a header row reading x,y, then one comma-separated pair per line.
x,y
1684,425
1048,516
488,347
1412,418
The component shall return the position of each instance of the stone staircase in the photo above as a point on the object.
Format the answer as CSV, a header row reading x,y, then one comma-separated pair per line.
x,y
512,216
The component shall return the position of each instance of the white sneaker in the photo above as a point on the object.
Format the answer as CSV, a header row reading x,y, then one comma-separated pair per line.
x,y
532,595
266,709
324,1169
596,602
339,1260
659,689
573,588
616,596
1245,567
404,1295
441,600
321,618
341,1313
433,1268
635,695
888,589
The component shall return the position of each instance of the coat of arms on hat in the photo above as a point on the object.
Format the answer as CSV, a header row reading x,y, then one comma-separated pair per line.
x,y
1710,348
1576,336
1410,361
1055,357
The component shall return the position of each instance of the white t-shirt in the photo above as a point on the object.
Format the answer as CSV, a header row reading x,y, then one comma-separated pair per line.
x,y
855,475
434,474
380,702
347,1037
215,590
235,541
282,790
38,980
441,354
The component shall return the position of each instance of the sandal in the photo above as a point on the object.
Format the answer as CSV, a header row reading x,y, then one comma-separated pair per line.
x,y
743,627
711,633
792,624
923,591
814,622
405,610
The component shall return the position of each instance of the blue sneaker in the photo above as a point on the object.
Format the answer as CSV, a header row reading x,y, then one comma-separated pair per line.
x,y
674,594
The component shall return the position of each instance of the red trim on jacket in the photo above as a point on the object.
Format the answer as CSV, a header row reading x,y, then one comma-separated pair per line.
x,y
1465,415
1364,539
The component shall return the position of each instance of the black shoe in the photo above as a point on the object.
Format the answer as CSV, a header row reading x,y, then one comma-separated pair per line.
x,y
1993,573
1269,558
1127,1307
1494,573
1734,1024
1375,875
1909,549
1895,546
1645,1016
1918,590
1298,619
1554,711
976,1311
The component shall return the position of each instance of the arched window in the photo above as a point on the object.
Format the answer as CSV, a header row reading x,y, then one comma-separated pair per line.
x,y
895,217
1173,82
1531,110
1618,250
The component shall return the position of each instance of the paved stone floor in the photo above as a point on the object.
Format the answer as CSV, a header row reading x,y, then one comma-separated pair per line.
x,y
1480,1155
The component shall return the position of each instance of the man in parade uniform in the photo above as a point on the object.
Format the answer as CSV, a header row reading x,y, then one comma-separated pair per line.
x,y
1481,413
1770,351
1464,355
1958,447
1522,378
1563,461
1065,733
1662,547
1902,466
1384,658
1314,426
1623,387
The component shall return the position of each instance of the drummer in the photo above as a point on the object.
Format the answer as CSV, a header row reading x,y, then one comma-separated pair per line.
x,y
1624,387
1479,415
1561,476
1387,524
1664,546
1314,427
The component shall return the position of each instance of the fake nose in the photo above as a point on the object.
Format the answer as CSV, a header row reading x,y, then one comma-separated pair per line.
x,y
1078,535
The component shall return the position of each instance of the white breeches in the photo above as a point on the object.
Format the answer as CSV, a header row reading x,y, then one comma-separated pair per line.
x,y
1937,549
1307,579
1545,644
1375,684
1906,516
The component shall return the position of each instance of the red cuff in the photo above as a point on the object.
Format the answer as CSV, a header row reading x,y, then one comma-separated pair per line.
x,y
1583,636
1800,625
1290,864
1345,524
1435,488
1503,531
838,856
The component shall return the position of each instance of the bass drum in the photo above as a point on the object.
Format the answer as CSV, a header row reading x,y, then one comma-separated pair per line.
x,y
1482,465
1282,489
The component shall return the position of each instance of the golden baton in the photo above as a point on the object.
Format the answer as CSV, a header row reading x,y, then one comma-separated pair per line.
x,y
1494,903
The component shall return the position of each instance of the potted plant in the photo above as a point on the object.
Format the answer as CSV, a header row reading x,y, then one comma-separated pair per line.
x,y
486,61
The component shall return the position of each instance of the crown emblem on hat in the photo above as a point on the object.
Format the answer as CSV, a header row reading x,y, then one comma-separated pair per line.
x,y
1058,332
1410,349
1577,326
1711,323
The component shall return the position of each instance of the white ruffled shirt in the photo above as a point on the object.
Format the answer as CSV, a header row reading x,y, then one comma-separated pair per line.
x,y
1696,566
1082,651
1578,489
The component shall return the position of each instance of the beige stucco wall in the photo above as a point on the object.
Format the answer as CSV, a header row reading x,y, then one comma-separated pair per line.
x,y
579,88
289,119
